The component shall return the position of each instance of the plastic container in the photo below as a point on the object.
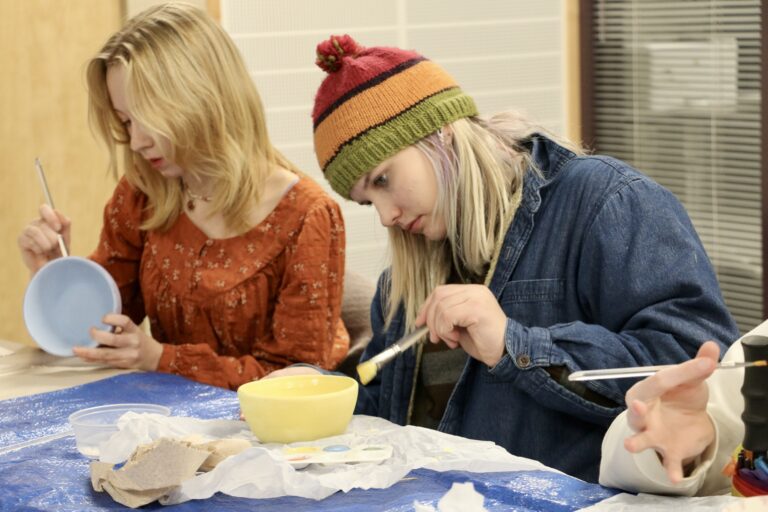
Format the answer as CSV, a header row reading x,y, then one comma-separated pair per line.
x,y
95,425
65,299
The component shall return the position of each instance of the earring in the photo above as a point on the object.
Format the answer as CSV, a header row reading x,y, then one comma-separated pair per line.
x,y
441,136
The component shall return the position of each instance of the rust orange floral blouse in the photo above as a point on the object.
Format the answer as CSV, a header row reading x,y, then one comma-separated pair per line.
x,y
232,310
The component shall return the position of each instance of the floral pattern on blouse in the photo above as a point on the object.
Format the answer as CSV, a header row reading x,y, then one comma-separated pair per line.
x,y
232,310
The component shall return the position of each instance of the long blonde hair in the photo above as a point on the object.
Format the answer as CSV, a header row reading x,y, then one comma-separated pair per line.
x,y
188,83
477,174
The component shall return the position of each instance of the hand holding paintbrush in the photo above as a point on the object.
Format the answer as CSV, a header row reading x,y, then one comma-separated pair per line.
x,y
668,410
41,238
465,316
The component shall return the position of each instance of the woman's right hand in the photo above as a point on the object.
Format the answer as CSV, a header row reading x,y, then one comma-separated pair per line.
x,y
669,412
38,241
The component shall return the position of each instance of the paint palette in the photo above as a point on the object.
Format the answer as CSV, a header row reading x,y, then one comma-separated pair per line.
x,y
300,456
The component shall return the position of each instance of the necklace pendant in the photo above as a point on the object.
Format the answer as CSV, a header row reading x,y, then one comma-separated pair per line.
x,y
190,204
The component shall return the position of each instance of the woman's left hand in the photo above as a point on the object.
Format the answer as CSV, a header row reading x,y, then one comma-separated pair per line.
x,y
466,315
127,347
668,412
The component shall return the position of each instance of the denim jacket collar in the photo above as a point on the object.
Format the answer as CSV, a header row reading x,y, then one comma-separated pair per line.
x,y
548,158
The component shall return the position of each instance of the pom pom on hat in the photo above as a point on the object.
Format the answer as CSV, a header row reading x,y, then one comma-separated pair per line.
x,y
330,53
375,102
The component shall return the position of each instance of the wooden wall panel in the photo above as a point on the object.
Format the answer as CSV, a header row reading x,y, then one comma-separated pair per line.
x,y
44,45
133,7
572,70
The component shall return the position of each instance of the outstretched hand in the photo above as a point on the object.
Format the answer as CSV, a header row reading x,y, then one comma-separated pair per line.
x,y
127,347
668,412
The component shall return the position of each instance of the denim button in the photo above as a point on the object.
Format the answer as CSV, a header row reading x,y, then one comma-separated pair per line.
x,y
523,361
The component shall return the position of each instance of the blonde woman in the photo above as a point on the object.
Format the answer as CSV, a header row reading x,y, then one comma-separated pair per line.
x,y
527,257
235,257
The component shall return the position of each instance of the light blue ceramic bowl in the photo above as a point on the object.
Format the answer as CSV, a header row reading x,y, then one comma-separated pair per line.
x,y
65,299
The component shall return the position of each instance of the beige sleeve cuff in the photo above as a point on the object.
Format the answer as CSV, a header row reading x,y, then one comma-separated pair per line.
x,y
643,472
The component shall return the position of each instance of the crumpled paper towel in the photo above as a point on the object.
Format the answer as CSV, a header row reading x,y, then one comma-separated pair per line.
x,y
152,471
138,429
262,472
155,469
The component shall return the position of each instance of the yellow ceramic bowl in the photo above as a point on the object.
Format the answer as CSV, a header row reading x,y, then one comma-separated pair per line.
x,y
298,407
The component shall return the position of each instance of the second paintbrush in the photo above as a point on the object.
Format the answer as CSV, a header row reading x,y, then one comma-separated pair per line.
x,y
645,371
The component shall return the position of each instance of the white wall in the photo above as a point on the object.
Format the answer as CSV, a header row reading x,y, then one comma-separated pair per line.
x,y
505,53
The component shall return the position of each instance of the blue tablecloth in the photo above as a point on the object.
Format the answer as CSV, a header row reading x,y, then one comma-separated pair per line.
x,y
41,469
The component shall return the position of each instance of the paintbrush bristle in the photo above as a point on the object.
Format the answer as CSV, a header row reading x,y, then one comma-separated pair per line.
x,y
760,363
366,371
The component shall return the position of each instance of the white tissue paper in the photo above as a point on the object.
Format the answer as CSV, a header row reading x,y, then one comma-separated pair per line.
x,y
262,472
461,497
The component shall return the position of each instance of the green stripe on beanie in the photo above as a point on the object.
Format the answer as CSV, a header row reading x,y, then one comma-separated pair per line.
x,y
367,150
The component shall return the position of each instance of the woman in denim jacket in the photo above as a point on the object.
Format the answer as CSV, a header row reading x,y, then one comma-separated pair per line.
x,y
527,257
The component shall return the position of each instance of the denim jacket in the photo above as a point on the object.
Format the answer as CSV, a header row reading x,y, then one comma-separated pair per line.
x,y
600,268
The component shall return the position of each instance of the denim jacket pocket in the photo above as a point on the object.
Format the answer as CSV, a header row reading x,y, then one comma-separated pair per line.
x,y
544,389
538,302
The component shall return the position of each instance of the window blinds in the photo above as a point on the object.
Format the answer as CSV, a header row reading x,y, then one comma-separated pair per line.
x,y
677,94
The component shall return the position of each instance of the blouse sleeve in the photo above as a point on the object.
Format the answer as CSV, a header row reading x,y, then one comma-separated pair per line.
x,y
306,324
121,244
308,312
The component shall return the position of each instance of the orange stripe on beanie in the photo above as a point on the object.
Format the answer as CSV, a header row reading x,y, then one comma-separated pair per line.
x,y
375,102
402,90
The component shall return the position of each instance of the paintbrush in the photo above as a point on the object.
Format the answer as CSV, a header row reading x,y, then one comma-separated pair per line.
x,y
645,371
368,369
49,199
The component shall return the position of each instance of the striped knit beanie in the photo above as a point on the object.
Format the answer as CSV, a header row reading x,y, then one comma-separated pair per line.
x,y
375,102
